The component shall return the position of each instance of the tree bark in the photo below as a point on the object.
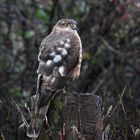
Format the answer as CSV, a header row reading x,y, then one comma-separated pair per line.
x,y
79,119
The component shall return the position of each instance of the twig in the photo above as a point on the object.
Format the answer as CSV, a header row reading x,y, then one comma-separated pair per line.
x,y
108,46
21,114
108,116
101,82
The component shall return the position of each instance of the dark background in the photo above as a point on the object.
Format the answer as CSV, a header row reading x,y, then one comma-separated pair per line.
x,y
110,34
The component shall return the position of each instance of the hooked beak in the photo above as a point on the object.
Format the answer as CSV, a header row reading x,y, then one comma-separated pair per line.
x,y
74,27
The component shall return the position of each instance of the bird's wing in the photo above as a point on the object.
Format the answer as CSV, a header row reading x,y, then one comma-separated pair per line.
x,y
58,62
58,56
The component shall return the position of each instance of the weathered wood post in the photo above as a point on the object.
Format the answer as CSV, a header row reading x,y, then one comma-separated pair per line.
x,y
79,119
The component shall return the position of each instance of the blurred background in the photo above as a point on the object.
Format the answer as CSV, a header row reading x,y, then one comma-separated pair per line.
x,y
110,34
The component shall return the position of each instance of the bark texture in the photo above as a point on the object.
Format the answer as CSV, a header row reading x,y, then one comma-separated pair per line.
x,y
79,119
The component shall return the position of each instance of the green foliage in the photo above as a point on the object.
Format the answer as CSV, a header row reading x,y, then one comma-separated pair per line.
x,y
58,104
41,14
29,34
15,93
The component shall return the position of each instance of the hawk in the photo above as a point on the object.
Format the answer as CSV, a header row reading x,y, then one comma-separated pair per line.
x,y
60,57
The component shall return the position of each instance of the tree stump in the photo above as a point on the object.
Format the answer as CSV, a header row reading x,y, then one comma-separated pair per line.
x,y
79,119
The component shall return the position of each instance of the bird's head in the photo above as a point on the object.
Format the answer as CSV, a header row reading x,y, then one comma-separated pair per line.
x,y
66,24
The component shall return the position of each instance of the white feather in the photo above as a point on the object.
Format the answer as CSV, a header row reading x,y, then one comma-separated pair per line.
x,y
48,62
61,42
57,58
62,71
67,45
53,79
64,52
59,49
52,54
68,40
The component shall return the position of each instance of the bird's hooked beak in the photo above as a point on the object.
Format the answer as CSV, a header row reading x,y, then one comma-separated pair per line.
x,y
74,27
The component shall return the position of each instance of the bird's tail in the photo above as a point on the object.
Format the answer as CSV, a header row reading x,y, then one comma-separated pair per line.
x,y
38,115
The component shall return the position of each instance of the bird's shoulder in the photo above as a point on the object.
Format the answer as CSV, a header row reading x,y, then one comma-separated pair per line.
x,y
55,38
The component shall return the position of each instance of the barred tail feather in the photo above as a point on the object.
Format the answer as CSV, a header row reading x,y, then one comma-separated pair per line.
x,y
37,118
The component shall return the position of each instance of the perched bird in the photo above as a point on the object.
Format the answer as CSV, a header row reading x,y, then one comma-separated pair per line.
x,y
60,57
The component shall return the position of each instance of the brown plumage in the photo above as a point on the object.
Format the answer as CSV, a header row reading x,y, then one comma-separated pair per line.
x,y
59,59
